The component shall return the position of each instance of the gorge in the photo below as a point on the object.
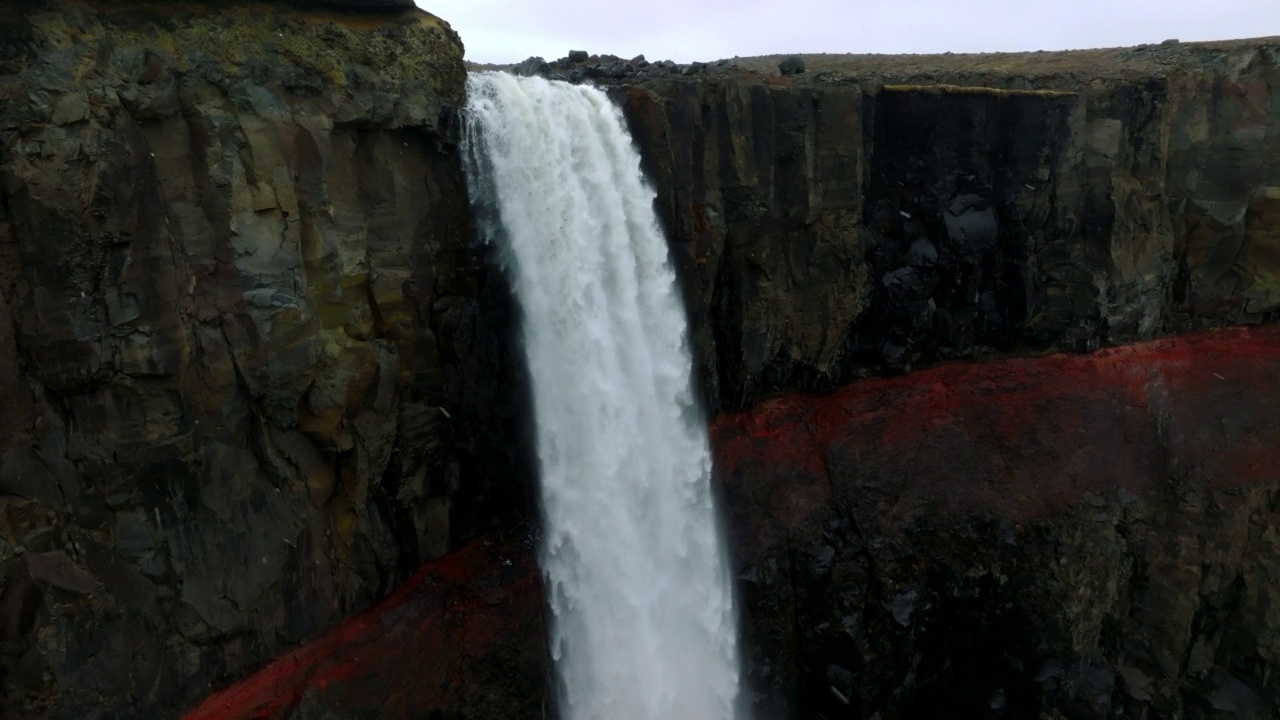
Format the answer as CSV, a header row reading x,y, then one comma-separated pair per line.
x,y
986,346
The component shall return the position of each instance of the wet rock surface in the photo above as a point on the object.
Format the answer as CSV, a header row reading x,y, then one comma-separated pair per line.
x,y
249,359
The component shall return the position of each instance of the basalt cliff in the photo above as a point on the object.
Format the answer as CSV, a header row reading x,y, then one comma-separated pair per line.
x,y
985,342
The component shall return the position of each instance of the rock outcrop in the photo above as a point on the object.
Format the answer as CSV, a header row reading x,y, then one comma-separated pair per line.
x,y
251,366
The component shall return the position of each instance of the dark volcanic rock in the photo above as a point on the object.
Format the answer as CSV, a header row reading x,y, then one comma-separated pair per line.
x,y
251,368
826,230
578,56
463,637
254,373
760,194
791,66
1065,536
532,66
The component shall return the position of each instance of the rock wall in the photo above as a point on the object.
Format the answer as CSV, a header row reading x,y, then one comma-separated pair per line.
x,y
252,366
1067,536
887,214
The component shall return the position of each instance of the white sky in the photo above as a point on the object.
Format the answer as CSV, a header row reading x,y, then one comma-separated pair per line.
x,y
687,30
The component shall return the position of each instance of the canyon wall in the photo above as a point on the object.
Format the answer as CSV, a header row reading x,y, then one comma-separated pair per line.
x,y
1066,537
886,214
253,368
257,372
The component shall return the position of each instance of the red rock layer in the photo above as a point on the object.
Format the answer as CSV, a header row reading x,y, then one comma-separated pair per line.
x,y
463,635
1018,438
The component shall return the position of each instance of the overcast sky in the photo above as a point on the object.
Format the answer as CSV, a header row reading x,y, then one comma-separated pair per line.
x,y
687,30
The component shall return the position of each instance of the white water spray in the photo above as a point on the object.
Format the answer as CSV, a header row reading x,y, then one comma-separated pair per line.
x,y
644,625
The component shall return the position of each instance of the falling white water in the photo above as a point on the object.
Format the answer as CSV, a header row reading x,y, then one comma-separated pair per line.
x,y
644,624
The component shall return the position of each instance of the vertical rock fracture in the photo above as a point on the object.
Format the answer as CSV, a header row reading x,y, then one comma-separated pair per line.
x,y
644,623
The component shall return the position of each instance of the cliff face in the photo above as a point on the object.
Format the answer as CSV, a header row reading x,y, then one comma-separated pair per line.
x,y
251,370
1068,536
1061,537
881,215
256,373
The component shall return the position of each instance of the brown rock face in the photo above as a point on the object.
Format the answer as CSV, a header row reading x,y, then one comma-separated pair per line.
x,y
248,361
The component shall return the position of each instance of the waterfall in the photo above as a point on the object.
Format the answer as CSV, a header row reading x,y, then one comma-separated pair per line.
x,y
643,622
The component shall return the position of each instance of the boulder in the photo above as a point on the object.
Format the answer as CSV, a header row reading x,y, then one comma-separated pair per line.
x,y
793,65
532,66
